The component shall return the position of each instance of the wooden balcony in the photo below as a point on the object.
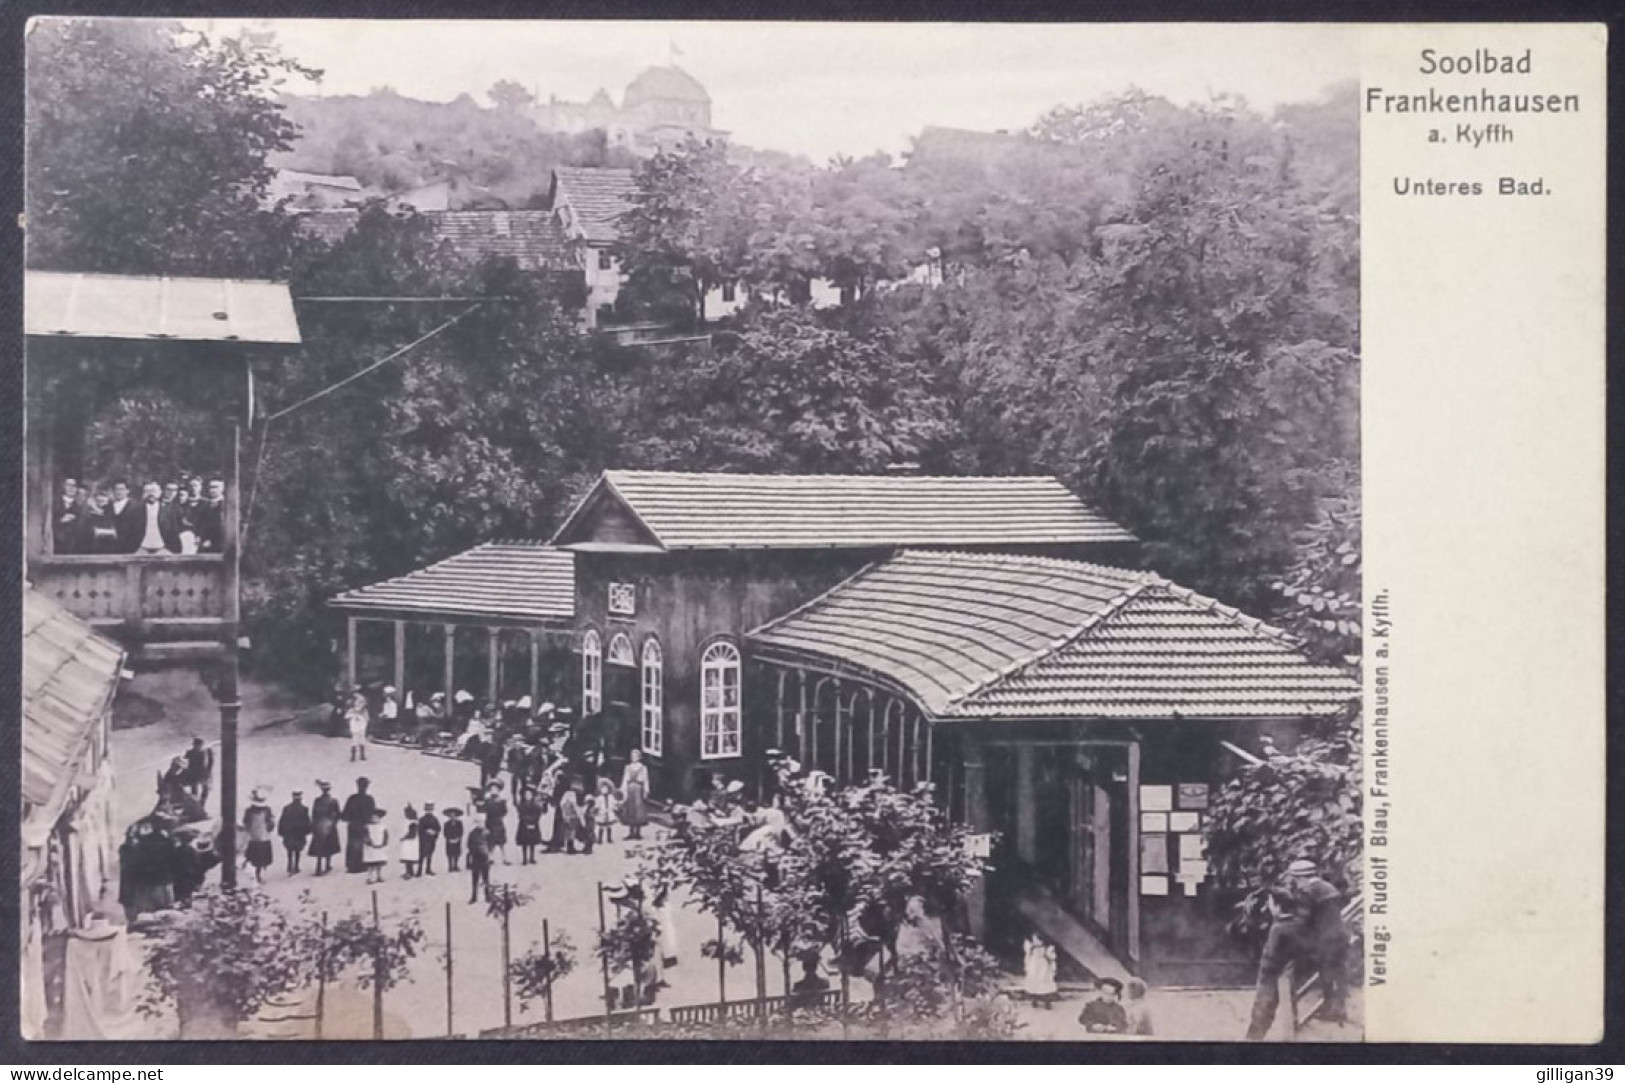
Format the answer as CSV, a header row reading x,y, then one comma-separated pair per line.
x,y
162,607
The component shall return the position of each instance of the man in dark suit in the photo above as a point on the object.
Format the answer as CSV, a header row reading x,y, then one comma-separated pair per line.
x,y
127,517
160,523
67,524
209,518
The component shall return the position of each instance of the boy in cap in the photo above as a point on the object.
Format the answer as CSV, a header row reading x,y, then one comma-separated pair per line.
x,y
293,825
428,837
1104,1014
454,838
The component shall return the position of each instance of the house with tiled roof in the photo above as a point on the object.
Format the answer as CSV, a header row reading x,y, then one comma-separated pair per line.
x,y
994,637
587,205
531,238
69,852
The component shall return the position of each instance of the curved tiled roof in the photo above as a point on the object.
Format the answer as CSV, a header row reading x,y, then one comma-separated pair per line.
x,y
664,83
1014,637
811,511
509,580
69,676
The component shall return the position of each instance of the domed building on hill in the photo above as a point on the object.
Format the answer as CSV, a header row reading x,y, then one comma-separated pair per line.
x,y
661,108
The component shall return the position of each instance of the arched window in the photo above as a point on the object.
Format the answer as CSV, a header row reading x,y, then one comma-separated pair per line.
x,y
719,701
654,697
592,673
620,650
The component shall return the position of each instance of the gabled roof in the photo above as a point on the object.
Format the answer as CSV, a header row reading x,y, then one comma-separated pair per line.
x,y
69,676
816,511
158,308
597,198
519,581
993,636
532,239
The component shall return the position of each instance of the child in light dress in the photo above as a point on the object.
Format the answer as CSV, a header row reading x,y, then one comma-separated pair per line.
x,y
1038,972
609,807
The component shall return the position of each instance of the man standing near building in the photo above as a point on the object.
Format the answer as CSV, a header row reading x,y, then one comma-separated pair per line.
x,y
127,518
1307,931
160,523
67,527
1326,937
209,518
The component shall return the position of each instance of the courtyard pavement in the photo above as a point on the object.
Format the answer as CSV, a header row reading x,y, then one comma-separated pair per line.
x,y
280,756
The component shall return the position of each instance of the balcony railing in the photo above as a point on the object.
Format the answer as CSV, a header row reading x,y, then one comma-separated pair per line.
x,y
147,598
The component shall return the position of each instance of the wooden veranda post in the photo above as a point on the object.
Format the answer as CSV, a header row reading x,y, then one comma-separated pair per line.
x,y
493,654
451,657
535,669
351,627
976,818
400,661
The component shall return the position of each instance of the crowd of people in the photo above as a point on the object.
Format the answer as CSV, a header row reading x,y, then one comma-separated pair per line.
x,y
182,516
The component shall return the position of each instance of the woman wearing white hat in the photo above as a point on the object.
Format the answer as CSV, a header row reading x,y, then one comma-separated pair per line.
x,y
258,826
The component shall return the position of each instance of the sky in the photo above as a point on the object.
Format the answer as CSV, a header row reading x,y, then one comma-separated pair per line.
x,y
823,89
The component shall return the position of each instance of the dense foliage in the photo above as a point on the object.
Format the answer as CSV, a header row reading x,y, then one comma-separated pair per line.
x,y
390,143
222,957
1156,303
1303,803
148,150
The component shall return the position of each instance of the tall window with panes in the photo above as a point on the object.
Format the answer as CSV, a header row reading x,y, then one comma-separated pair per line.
x,y
654,697
719,701
592,673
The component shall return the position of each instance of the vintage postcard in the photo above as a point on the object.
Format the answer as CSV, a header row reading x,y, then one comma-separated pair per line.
x,y
721,530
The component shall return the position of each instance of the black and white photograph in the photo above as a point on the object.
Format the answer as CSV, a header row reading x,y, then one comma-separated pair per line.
x,y
692,530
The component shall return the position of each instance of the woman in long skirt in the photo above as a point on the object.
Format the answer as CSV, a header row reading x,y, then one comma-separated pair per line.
x,y
324,828
634,810
258,826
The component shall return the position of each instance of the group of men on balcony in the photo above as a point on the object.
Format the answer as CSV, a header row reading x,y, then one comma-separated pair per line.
x,y
179,517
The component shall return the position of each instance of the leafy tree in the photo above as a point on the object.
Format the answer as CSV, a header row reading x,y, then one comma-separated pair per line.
x,y
688,229
1322,587
507,94
219,960
792,390
1305,804
950,991
535,973
148,150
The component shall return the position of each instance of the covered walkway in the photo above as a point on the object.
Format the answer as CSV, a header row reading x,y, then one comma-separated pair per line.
x,y
515,600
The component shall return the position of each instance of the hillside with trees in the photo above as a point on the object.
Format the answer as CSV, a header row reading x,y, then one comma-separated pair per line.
x,y
390,142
